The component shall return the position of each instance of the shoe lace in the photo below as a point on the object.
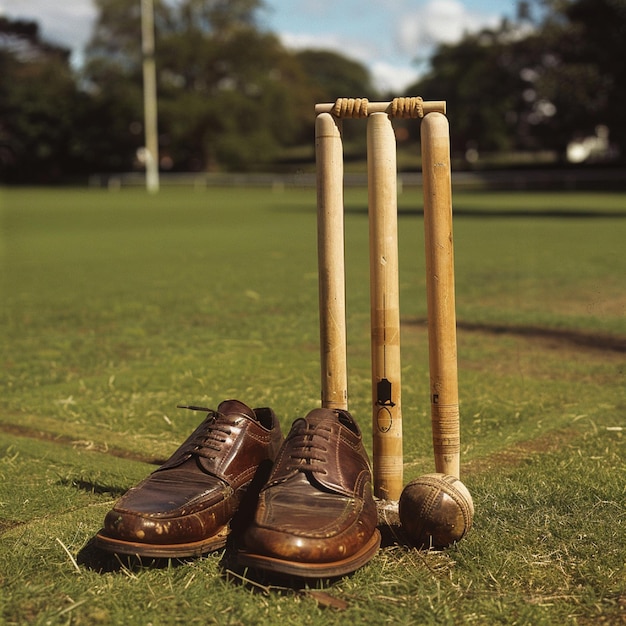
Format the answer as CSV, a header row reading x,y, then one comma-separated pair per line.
x,y
212,434
308,450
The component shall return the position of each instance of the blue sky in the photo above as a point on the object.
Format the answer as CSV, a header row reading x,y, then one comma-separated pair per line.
x,y
393,38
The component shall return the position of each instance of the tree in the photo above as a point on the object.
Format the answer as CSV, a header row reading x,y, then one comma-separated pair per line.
x,y
482,80
335,76
231,102
536,84
229,94
588,77
39,105
331,76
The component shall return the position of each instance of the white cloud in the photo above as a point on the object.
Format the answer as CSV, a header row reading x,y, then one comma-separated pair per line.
x,y
67,23
355,49
438,21
396,57
352,48
386,76
392,77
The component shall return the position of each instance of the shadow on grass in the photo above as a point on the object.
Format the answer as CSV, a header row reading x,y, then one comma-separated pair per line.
x,y
95,559
103,562
262,581
254,580
580,339
90,487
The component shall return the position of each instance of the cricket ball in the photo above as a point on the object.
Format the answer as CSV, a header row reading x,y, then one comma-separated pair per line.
x,y
435,510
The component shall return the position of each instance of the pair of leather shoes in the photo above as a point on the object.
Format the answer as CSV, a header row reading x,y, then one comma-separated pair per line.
x,y
315,516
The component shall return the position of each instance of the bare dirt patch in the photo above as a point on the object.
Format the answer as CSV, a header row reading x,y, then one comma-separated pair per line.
x,y
41,435
512,456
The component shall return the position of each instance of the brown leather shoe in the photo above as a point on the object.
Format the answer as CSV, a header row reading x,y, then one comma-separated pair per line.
x,y
184,508
316,516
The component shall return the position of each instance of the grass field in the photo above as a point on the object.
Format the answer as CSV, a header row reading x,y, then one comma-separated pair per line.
x,y
118,306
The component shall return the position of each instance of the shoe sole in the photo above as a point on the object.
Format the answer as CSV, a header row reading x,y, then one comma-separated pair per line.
x,y
313,570
194,548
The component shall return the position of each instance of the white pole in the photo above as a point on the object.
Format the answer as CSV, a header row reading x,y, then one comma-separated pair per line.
x,y
149,96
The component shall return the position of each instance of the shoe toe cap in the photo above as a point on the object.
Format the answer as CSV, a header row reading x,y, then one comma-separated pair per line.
x,y
153,516
311,548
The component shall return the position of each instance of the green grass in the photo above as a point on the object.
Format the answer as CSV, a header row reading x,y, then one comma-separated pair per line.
x,y
118,306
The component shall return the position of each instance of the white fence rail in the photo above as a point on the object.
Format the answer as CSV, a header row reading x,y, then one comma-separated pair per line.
x,y
521,180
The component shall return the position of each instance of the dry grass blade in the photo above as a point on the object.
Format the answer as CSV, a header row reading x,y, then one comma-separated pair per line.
x,y
325,599
69,554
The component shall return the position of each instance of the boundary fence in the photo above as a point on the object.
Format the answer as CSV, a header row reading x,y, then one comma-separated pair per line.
x,y
505,180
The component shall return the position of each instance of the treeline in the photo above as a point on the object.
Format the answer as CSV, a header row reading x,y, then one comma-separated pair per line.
x,y
231,97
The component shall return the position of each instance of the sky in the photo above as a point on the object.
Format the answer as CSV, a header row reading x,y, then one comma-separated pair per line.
x,y
393,38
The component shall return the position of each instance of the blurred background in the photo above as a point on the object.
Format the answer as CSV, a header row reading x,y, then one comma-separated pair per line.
x,y
534,84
